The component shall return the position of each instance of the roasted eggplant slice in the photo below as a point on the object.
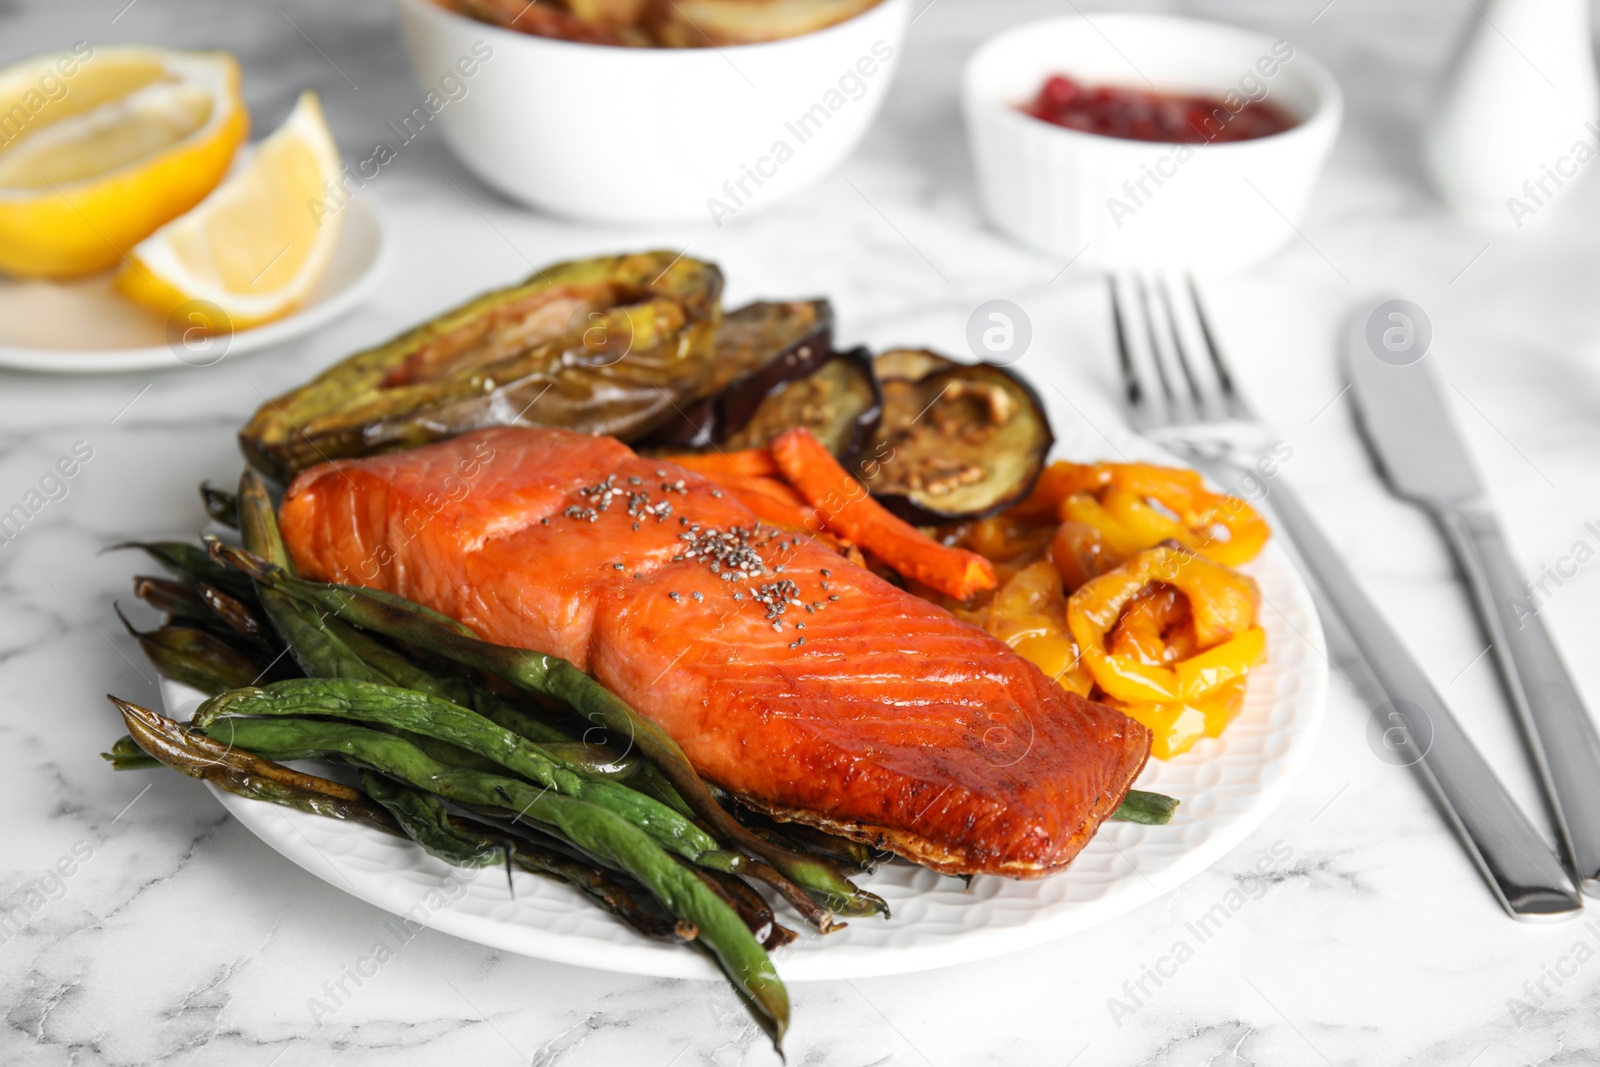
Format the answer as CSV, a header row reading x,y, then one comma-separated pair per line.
x,y
839,402
962,442
610,345
909,364
779,343
758,347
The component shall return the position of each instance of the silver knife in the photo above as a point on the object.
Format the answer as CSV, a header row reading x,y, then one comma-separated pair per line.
x,y
1408,426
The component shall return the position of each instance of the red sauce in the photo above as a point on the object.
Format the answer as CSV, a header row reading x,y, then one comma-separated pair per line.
x,y
1138,115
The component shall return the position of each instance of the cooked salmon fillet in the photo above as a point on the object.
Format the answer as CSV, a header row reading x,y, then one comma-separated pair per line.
x,y
810,687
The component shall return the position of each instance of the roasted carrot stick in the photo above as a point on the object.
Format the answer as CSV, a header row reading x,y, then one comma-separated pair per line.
x,y
749,463
772,509
846,509
773,500
776,488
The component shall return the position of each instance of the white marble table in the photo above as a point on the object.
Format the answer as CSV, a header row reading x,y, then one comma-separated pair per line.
x,y
179,938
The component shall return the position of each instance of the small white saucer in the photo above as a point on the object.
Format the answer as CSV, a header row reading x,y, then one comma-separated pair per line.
x,y
85,328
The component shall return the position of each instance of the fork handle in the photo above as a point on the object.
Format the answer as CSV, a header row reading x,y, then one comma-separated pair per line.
x,y
1519,867
1565,746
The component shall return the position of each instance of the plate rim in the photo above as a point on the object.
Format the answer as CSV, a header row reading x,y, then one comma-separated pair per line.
x,y
59,361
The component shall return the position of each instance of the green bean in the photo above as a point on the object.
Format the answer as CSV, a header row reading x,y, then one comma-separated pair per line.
x,y
601,886
220,504
1152,809
179,600
403,672
258,523
204,606
605,891
558,678
190,752
426,819
605,762
650,781
191,562
323,653
418,713
196,658
599,832
315,648
238,616
126,755
840,851
395,600
752,908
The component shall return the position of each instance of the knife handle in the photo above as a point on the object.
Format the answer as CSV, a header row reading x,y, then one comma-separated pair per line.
x,y
1566,749
1519,867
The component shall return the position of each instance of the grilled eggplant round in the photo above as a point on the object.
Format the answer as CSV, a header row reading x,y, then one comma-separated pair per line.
x,y
611,345
961,441
840,402
909,364
757,348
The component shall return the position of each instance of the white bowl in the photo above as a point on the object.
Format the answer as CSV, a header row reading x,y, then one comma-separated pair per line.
x,y
1109,201
642,135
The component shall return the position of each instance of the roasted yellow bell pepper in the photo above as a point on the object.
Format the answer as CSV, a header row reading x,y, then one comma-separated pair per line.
x,y
1029,613
1155,628
1179,672
1139,505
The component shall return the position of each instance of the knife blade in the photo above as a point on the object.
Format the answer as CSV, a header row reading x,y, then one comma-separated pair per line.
x,y
1405,418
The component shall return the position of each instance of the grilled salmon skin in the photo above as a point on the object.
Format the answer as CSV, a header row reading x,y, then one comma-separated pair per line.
x,y
810,687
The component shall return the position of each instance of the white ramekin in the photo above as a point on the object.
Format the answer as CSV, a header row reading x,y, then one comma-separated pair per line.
x,y
1078,195
642,135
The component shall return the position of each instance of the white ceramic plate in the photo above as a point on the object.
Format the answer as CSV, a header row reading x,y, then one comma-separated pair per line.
x,y
1228,787
85,328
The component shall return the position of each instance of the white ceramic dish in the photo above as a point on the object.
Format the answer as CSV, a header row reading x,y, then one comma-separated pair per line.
x,y
1112,202
641,135
1228,787
85,328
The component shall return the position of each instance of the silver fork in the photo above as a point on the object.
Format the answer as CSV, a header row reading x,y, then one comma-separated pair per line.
x,y
1181,394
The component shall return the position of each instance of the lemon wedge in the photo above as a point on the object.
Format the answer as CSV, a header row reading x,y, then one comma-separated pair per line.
x,y
100,146
257,245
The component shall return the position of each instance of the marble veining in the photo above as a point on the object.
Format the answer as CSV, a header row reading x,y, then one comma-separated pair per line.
x,y
179,938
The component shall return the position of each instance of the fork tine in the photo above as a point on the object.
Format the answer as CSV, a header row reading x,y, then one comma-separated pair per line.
x,y
1140,410
1235,404
1204,392
1184,396
1154,349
